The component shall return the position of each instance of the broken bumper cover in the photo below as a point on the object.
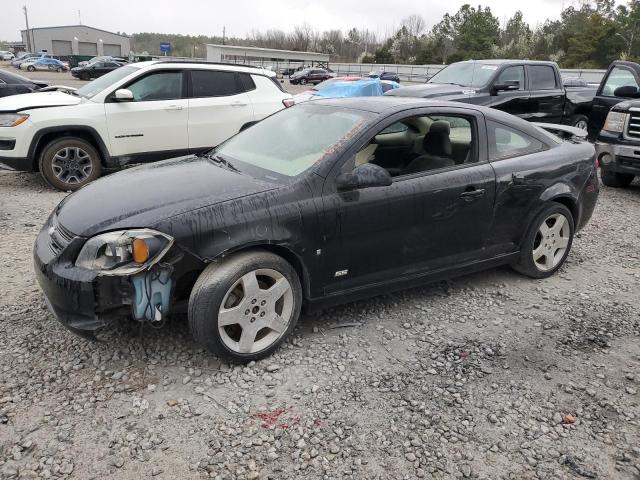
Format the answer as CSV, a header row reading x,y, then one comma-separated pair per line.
x,y
621,156
80,299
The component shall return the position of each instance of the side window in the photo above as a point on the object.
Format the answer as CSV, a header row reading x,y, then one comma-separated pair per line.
x,y
157,86
543,77
421,143
511,74
98,65
213,83
619,77
506,142
247,82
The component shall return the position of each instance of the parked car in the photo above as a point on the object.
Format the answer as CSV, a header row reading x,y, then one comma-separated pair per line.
x,y
138,113
12,84
615,124
103,58
44,64
94,70
29,56
388,193
346,87
6,55
310,75
529,89
382,75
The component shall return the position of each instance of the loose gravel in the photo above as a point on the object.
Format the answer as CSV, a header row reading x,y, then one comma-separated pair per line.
x,y
489,376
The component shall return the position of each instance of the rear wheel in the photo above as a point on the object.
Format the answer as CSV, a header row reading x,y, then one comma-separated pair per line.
x,y
547,242
580,121
243,308
69,163
614,179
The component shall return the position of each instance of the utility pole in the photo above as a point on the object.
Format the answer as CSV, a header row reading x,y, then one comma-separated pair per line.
x,y
224,31
79,18
26,19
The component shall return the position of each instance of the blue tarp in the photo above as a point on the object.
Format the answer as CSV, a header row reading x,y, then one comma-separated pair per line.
x,y
359,88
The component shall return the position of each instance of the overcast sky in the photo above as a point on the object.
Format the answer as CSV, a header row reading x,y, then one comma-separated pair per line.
x,y
207,17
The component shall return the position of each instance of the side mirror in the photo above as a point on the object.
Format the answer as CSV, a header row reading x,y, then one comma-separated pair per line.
x,y
509,85
364,176
123,95
627,91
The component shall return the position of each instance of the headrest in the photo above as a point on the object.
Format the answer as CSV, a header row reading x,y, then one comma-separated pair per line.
x,y
440,126
436,141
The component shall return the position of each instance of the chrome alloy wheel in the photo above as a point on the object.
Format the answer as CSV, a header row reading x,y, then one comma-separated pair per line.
x,y
581,124
551,242
71,165
256,311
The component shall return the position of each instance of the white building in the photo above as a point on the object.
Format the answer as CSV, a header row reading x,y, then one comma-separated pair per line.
x,y
76,40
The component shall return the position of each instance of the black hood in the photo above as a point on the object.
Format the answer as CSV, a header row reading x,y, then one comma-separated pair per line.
x,y
432,90
143,196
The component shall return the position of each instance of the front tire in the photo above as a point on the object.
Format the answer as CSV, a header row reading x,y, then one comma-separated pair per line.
x,y
614,179
31,68
303,81
243,308
85,76
69,163
547,242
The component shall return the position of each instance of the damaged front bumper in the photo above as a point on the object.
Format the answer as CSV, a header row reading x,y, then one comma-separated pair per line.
x,y
84,300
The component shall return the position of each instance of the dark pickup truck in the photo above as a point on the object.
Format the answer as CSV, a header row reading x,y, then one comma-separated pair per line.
x,y
615,124
528,89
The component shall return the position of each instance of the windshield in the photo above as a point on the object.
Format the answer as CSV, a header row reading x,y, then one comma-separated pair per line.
x,y
99,84
294,139
466,74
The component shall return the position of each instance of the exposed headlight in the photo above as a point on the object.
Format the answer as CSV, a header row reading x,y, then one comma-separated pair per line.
x,y
123,252
615,122
12,119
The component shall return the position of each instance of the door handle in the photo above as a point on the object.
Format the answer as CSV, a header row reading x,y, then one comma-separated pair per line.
x,y
472,193
174,107
238,104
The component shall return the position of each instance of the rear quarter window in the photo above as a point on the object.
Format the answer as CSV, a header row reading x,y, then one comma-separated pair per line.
x,y
506,142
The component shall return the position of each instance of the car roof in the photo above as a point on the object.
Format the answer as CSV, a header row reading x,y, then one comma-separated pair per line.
x,y
504,61
209,65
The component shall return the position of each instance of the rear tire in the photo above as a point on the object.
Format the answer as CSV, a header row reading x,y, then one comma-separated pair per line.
x,y
69,163
614,179
580,121
546,244
237,291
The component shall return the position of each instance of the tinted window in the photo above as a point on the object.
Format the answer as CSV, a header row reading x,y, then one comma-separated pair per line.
x,y
212,83
619,77
247,82
512,74
112,64
157,86
542,77
505,142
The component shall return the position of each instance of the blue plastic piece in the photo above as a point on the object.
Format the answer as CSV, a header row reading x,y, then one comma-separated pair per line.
x,y
152,294
358,88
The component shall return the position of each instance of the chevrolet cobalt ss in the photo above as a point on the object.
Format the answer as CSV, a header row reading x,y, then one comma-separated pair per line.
x,y
318,204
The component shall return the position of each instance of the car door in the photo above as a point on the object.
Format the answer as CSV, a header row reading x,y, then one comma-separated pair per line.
x,y
154,124
514,102
218,107
546,94
424,222
619,75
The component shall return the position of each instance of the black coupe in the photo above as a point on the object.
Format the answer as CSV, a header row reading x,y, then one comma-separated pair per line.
x,y
318,204
12,84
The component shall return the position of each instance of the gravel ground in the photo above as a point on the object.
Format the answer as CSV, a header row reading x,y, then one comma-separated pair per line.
x,y
491,376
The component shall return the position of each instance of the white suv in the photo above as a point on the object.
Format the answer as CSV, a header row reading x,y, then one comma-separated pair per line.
x,y
138,113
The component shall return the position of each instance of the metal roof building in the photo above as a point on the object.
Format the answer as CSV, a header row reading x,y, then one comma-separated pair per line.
x,y
256,55
76,40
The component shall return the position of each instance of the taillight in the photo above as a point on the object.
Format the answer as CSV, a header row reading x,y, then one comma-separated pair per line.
x,y
288,102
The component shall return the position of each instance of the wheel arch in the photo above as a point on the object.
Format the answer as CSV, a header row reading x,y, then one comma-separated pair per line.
x,y
564,194
46,135
282,251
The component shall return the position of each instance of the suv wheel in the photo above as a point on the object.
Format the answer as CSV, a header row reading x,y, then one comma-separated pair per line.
x,y
579,121
69,163
243,308
614,179
547,242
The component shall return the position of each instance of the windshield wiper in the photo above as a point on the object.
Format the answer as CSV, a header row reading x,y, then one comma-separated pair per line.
x,y
221,161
